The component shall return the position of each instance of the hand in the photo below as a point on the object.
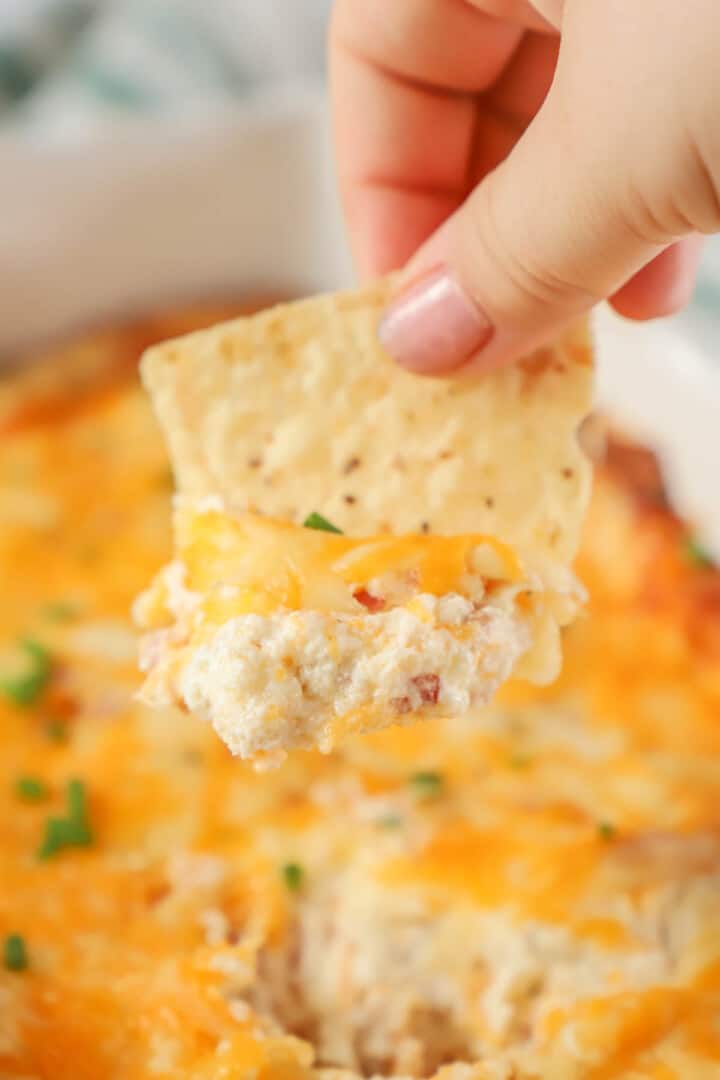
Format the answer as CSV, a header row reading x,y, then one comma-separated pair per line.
x,y
529,159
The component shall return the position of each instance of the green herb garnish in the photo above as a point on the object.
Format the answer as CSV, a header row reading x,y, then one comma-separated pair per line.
x,y
390,821
60,611
15,957
695,553
56,731
293,875
73,830
427,784
26,688
606,830
317,521
31,789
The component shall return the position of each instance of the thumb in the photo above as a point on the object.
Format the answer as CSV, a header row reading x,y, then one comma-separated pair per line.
x,y
537,243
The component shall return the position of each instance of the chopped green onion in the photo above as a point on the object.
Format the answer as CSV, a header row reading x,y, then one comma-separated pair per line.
x,y
15,957
76,799
56,731
293,875
427,784
390,821
317,521
31,789
60,611
58,834
70,831
24,689
695,553
606,830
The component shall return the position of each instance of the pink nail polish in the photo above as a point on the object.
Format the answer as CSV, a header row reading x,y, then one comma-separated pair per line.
x,y
434,327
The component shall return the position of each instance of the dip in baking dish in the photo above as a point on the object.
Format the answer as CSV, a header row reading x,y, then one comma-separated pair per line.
x,y
535,894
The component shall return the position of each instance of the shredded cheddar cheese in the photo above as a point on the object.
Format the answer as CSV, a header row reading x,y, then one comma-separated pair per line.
x,y
290,636
531,894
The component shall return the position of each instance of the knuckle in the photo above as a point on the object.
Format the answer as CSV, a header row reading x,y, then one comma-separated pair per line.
x,y
525,280
682,198
706,173
645,222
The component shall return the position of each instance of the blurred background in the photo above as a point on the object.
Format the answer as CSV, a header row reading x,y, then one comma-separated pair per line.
x,y
69,68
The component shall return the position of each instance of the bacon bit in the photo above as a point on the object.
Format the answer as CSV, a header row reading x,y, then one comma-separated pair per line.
x,y
156,892
61,704
401,705
428,686
372,603
539,362
411,578
639,473
350,499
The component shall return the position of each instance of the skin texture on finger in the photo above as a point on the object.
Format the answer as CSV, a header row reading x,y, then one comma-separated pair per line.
x,y
551,11
451,45
436,321
403,156
664,286
525,81
404,147
541,15
532,245
408,153
504,112
387,224
403,136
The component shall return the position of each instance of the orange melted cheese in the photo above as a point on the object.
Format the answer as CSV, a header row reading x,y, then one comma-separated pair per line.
x,y
570,808
276,564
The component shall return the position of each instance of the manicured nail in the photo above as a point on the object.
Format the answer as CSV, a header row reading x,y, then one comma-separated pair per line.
x,y
434,327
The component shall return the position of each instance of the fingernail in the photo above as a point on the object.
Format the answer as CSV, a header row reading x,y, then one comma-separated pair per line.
x,y
434,327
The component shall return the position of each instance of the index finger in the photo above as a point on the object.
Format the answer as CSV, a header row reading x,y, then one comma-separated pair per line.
x,y
403,76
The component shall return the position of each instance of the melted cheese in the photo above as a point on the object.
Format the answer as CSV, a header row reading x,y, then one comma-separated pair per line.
x,y
558,881
305,568
284,636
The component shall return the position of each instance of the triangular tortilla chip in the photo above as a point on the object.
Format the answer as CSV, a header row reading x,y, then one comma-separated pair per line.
x,y
299,410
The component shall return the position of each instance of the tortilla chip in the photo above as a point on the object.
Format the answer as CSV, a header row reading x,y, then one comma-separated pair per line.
x,y
298,411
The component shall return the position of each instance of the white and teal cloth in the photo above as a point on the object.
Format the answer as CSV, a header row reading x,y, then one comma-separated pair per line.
x,y
68,66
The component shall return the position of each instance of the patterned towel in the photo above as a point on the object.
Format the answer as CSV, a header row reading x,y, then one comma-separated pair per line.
x,y
65,65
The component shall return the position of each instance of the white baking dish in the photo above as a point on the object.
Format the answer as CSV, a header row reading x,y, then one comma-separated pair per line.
x,y
220,204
